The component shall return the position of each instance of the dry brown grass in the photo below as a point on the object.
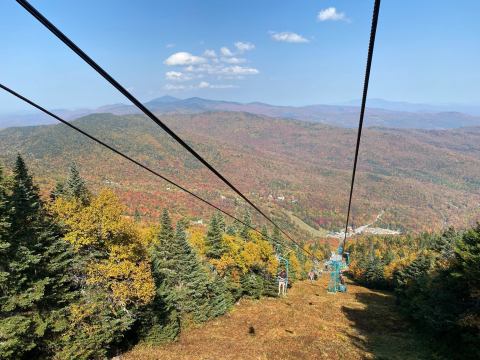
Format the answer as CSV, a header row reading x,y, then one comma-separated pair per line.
x,y
307,324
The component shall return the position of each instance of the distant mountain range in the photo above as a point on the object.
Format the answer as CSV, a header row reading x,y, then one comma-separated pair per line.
x,y
380,113
417,107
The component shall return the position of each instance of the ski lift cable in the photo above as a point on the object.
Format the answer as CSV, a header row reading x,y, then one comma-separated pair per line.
x,y
145,167
373,31
62,37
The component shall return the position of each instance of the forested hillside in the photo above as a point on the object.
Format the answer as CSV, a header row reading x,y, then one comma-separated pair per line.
x,y
79,280
435,278
424,180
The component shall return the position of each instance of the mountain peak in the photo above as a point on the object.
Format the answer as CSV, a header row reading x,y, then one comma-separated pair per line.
x,y
163,100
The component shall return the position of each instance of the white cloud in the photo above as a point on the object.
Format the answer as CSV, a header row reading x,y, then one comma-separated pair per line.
x,y
244,46
183,58
175,87
202,72
210,53
201,85
207,85
233,60
330,14
239,70
226,86
221,69
288,36
226,51
176,76
169,46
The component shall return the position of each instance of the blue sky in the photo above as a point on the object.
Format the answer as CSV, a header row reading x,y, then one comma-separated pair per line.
x,y
280,52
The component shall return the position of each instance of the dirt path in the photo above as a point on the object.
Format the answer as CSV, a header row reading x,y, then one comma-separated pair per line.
x,y
307,324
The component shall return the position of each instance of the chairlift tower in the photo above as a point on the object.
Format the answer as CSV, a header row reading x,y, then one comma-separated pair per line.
x,y
336,265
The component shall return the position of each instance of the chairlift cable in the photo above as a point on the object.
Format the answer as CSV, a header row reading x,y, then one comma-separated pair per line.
x,y
61,36
145,167
373,31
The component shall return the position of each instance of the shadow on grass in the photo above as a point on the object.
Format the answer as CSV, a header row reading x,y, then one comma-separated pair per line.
x,y
383,332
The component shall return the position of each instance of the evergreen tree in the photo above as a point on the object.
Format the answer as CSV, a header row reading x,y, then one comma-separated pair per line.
x,y
75,186
214,241
374,274
466,272
265,233
221,299
237,226
221,222
252,285
36,284
277,242
192,276
137,216
164,315
183,285
95,329
270,285
57,191
4,227
231,230
247,223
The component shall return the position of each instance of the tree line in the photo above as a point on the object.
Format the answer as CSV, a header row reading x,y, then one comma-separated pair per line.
x,y
81,280
436,281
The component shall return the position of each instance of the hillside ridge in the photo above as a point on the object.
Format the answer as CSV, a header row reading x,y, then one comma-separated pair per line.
x,y
281,164
386,114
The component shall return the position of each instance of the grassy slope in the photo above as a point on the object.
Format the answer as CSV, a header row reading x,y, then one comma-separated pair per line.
x,y
308,324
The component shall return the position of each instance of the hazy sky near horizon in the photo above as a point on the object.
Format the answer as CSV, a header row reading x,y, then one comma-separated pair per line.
x,y
281,52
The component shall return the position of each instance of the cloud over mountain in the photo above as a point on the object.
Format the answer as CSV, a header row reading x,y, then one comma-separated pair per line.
x,y
288,36
209,67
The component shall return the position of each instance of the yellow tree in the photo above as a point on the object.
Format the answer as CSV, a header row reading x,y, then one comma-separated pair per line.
x,y
117,259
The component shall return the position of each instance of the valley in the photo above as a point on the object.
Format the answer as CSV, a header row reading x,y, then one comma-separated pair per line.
x,y
421,179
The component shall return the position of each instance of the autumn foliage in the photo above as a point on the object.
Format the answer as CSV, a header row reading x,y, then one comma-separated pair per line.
x,y
81,279
436,281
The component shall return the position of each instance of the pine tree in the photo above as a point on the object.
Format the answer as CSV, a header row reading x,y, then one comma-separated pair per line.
x,y
247,223
183,285
75,186
265,233
57,191
192,276
95,327
164,315
113,273
36,282
467,273
137,216
374,274
214,241
252,285
221,222
4,227
277,242
231,230
221,299
270,285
